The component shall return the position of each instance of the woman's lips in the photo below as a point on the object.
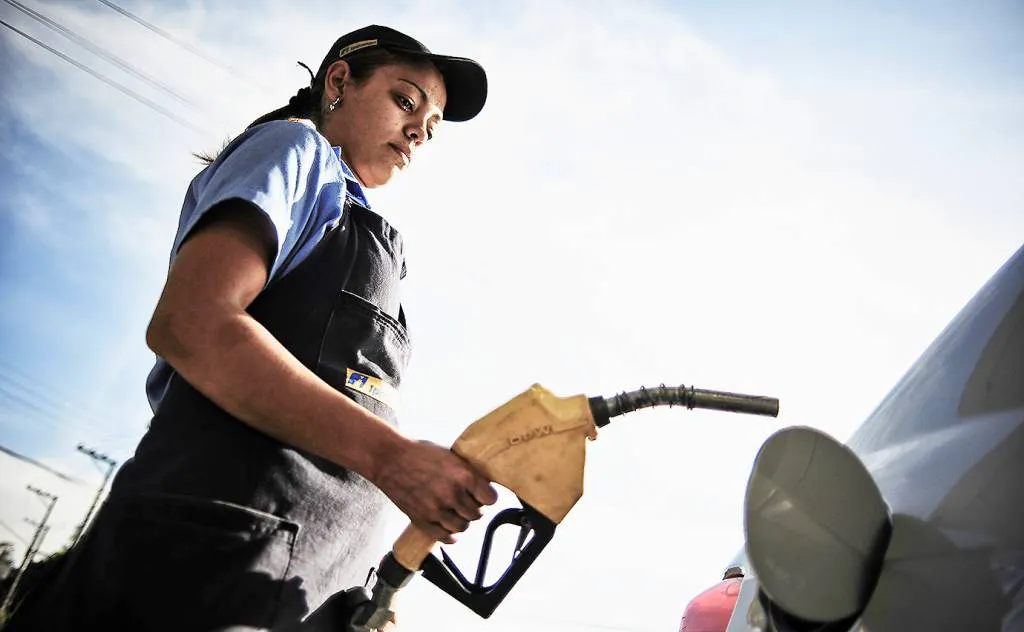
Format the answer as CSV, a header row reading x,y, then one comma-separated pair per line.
x,y
406,158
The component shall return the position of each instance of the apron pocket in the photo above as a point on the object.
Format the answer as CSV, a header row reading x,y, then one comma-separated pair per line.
x,y
364,353
189,563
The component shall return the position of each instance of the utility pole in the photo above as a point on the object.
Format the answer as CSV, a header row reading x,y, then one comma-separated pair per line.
x,y
37,540
43,530
111,464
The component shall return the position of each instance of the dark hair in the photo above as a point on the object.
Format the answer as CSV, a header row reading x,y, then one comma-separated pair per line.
x,y
306,102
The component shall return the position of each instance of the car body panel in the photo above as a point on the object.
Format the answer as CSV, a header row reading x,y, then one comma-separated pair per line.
x,y
710,610
946,449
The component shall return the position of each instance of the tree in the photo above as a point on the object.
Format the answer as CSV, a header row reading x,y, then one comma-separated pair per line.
x,y
7,563
35,573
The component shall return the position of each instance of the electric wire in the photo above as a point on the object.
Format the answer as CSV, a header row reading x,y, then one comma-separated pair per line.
x,y
100,52
26,401
61,475
41,415
110,82
117,444
15,533
47,394
183,44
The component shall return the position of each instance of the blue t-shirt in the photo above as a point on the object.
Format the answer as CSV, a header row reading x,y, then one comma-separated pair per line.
x,y
291,173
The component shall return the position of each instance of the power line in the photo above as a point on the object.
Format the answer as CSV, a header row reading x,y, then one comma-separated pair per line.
x,y
15,533
47,417
60,403
16,377
56,420
19,399
99,51
11,373
39,403
183,44
60,475
110,82
48,404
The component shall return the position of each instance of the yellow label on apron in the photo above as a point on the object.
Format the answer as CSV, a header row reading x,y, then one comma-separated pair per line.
x,y
373,387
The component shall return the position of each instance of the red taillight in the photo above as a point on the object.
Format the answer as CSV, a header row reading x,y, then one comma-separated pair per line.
x,y
710,610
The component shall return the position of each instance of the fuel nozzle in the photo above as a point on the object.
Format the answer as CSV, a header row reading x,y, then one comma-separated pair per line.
x,y
535,446
603,409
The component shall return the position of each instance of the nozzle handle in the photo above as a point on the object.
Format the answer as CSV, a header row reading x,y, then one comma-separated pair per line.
x,y
535,432
412,547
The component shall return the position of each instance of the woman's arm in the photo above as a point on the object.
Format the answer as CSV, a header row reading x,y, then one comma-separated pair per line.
x,y
200,327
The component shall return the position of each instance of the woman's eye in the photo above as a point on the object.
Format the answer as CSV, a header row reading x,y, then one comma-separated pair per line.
x,y
405,103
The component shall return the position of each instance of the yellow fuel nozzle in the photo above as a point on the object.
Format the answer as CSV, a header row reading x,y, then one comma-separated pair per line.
x,y
535,446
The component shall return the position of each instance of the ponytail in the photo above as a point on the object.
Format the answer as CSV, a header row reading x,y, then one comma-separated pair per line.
x,y
303,104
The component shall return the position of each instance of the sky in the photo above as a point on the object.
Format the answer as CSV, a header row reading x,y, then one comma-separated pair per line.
x,y
789,201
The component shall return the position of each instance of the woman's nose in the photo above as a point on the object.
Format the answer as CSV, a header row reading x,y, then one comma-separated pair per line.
x,y
416,132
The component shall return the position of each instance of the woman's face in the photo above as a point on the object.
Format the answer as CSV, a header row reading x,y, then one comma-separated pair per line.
x,y
382,121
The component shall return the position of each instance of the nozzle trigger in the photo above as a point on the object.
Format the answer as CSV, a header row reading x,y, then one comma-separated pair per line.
x,y
524,530
477,596
451,566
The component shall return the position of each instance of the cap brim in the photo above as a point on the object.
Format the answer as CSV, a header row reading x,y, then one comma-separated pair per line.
x,y
465,82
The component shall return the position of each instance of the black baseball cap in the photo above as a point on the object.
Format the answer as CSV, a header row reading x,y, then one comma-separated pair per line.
x,y
464,79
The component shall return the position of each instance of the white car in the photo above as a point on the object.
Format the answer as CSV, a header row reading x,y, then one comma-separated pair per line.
x,y
917,522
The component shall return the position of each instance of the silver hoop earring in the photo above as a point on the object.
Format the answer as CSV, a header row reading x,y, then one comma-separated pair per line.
x,y
334,104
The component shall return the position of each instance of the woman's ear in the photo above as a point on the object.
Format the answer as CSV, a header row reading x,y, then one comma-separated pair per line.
x,y
335,80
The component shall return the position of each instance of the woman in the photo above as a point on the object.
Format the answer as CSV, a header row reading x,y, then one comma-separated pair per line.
x,y
258,489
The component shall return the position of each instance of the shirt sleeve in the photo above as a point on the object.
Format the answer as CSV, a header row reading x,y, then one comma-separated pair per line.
x,y
279,168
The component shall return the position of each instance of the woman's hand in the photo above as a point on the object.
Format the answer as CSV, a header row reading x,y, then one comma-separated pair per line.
x,y
439,490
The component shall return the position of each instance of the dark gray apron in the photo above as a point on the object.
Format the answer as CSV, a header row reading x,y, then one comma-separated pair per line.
x,y
213,525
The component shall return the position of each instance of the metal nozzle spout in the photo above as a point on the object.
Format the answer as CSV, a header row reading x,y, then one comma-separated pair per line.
x,y
604,409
